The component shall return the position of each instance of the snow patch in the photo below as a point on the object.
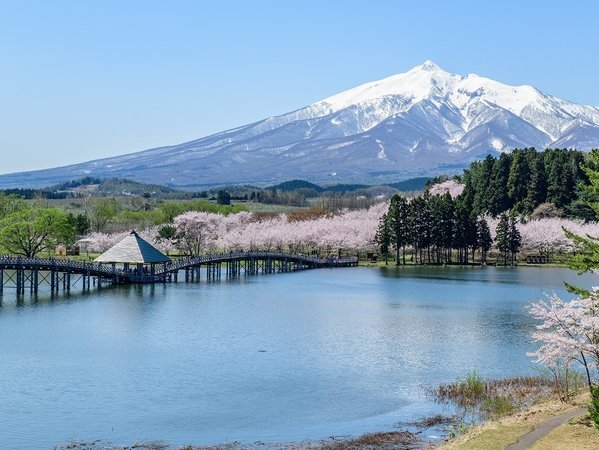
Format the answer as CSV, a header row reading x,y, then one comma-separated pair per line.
x,y
381,154
496,144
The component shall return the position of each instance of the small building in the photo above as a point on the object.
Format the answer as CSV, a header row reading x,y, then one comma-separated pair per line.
x,y
66,250
137,252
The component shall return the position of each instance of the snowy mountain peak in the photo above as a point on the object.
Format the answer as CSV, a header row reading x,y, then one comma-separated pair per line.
x,y
471,98
425,121
428,65
418,83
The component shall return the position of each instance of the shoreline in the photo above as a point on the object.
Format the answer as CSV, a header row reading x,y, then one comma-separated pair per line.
x,y
540,411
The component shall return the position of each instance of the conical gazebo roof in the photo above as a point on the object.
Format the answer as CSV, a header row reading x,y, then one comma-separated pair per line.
x,y
133,250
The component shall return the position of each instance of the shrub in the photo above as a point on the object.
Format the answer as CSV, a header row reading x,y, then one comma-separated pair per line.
x,y
474,386
594,405
498,406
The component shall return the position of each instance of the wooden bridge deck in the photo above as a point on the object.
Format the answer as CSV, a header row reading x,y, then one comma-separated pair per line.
x,y
56,273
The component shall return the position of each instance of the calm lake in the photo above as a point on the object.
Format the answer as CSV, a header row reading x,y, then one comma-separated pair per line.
x,y
269,357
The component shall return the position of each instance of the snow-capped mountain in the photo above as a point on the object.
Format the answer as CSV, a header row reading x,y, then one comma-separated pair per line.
x,y
421,122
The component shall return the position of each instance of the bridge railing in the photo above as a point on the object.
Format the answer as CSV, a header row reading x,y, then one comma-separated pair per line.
x,y
56,264
132,273
190,261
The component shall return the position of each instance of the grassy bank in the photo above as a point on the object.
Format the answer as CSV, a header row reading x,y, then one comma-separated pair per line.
x,y
578,433
391,264
498,433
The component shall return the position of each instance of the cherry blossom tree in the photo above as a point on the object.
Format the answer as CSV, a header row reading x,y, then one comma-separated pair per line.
x,y
568,332
547,235
196,231
341,231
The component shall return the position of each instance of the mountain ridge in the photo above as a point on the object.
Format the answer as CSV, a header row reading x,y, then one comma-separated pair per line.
x,y
422,122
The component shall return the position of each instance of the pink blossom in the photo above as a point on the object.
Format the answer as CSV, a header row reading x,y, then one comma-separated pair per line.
x,y
568,331
453,187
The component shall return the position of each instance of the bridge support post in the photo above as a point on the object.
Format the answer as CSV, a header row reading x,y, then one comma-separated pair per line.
x,y
19,281
1,281
35,281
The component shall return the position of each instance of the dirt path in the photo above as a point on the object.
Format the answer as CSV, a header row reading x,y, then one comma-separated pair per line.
x,y
544,428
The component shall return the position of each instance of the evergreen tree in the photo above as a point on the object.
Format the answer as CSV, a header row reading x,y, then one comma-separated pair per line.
x,y
80,223
398,223
559,177
523,180
502,236
447,225
383,237
518,180
223,198
462,232
586,205
514,238
420,225
587,256
498,198
484,239
438,225
481,176
537,185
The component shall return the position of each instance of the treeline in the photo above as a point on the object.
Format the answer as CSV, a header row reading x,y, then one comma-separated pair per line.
x,y
278,197
39,194
303,193
101,188
442,230
522,180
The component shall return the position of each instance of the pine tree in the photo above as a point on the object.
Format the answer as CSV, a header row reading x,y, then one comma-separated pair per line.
x,y
462,234
587,256
383,237
223,198
480,175
447,226
537,185
484,239
420,225
559,177
514,238
398,224
518,180
498,193
502,236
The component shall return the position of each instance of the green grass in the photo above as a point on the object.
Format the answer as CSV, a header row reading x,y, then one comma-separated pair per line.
x,y
578,434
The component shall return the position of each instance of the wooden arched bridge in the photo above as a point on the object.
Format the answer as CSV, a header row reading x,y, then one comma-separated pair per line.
x,y
32,273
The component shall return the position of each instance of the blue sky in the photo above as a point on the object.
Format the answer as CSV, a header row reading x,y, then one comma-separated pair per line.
x,y
81,80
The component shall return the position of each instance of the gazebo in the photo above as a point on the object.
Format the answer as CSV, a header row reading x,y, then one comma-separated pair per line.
x,y
133,250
